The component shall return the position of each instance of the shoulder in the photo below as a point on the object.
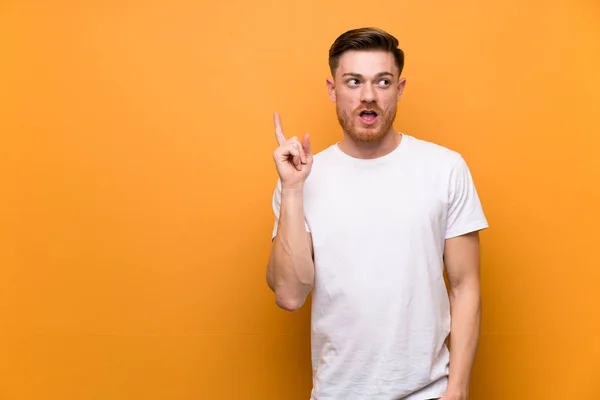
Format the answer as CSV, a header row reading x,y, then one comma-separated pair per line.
x,y
324,160
326,154
432,154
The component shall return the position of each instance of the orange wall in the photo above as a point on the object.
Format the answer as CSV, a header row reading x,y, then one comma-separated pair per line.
x,y
136,170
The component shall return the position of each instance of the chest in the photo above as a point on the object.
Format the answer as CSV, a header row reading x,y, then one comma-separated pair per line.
x,y
394,206
376,236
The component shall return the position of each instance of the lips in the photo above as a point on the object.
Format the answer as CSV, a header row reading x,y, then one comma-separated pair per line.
x,y
368,116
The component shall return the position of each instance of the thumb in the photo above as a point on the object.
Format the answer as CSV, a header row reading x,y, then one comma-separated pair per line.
x,y
306,144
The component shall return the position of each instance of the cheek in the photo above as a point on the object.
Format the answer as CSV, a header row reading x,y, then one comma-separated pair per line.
x,y
387,103
349,106
390,98
346,99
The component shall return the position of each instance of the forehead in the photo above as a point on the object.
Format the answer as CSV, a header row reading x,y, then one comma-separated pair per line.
x,y
366,63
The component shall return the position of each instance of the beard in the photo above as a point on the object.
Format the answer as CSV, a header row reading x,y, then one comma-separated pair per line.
x,y
366,134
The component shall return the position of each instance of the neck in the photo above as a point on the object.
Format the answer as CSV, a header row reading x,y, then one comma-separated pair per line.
x,y
366,150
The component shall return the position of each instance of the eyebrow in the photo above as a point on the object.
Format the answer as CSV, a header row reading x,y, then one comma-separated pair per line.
x,y
379,75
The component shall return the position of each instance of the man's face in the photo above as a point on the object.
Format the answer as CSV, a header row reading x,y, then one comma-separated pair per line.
x,y
366,89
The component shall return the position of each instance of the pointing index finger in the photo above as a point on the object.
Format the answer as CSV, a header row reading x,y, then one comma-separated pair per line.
x,y
278,130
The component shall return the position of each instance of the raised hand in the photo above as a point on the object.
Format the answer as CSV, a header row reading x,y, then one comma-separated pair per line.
x,y
293,158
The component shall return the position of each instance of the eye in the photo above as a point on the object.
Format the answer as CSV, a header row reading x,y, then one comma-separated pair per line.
x,y
384,82
352,82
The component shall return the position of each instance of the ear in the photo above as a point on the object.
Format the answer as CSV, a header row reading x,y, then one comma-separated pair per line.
x,y
331,88
400,88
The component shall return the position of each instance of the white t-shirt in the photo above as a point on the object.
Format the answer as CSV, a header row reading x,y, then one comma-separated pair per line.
x,y
380,310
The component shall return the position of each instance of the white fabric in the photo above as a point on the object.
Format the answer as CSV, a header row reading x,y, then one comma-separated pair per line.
x,y
380,310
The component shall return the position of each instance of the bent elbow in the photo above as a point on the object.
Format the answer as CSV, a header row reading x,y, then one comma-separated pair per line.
x,y
289,303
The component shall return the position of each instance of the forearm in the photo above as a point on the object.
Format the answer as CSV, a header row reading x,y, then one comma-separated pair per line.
x,y
291,271
465,306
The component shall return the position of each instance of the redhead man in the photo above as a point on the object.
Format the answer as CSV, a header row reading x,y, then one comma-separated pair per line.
x,y
368,226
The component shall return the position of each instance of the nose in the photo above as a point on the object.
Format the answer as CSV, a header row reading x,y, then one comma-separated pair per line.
x,y
368,94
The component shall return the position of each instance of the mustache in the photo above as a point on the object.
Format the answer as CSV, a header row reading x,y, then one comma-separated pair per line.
x,y
372,108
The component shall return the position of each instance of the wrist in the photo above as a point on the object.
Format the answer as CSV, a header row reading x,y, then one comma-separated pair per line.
x,y
292,189
457,393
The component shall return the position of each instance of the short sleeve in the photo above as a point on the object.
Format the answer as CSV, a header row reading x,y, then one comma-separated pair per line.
x,y
465,213
277,208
